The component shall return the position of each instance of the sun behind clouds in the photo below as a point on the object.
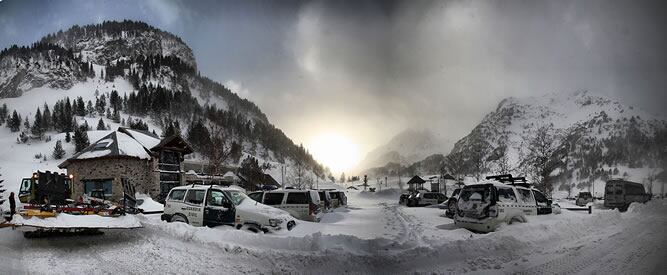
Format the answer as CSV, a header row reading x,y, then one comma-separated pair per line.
x,y
335,151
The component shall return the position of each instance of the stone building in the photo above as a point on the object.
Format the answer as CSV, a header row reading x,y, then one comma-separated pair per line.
x,y
152,165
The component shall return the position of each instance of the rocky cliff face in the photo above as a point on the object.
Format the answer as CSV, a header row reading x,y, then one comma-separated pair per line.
x,y
109,41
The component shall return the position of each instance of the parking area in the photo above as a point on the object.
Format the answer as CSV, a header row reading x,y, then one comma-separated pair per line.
x,y
373,235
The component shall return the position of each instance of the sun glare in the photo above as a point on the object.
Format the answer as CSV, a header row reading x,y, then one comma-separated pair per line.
x,y
335,151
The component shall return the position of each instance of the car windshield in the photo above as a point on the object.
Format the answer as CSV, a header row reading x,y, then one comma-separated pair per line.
x,y
236,196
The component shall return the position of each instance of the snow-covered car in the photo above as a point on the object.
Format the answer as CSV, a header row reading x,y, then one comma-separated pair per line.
x,y
483,207
301,204
339,198
583,199
451,203
422,198
212,205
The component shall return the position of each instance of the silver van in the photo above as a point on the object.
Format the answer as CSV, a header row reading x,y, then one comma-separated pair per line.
x,y
301,204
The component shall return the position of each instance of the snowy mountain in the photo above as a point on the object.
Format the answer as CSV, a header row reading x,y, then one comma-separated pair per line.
x,y
126,74
405,148
101,43
568,140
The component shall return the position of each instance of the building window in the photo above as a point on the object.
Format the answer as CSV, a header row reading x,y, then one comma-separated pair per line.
x,y
93,185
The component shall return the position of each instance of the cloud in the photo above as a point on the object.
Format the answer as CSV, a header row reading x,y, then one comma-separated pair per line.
x,y
237,88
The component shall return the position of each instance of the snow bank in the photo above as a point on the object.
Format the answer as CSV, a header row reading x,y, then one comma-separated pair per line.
x,y
148,204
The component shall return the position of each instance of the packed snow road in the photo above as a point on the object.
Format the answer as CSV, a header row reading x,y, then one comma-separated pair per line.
x,y
373,236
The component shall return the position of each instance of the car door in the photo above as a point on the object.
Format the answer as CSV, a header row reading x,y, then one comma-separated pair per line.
x,y
219,209
543,206
193,207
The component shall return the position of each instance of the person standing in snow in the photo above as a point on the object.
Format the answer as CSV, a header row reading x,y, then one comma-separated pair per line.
x,y
12,206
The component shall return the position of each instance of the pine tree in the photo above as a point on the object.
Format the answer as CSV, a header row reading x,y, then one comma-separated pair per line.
x,y
100,125
80,139
116,116
90,110
37,128
14,123
80,107
58,151
26,123
46,118
68,138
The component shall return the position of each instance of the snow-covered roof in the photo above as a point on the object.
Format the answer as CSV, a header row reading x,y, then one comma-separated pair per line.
x,y
122,142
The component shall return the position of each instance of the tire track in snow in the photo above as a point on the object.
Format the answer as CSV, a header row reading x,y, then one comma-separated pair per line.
x,y
410,233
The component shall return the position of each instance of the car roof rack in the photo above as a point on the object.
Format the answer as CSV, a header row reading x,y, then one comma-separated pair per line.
x,y
508,179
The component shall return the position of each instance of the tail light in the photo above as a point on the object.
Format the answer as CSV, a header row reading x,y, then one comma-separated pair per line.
x,y
492,211
313,208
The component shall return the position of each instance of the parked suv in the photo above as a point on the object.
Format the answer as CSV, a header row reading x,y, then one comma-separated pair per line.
x,y
620,193
301,204
422,198
584,198
212,205
483,207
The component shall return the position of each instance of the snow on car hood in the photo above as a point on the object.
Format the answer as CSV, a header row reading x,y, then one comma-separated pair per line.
x,y
250,206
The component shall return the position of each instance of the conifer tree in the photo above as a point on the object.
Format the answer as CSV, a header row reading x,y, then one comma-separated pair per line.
x,y
14,122
100,125
37,128
68,138
58,151
80,139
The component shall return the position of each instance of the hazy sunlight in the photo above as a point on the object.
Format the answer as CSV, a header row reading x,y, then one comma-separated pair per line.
x,y
335,151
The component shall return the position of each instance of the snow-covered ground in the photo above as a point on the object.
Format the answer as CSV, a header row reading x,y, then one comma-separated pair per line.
x,y
373,235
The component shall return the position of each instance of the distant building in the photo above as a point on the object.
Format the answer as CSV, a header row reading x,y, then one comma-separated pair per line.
x,y
152,165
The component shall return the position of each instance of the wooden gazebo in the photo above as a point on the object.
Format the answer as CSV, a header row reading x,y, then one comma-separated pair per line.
x,y
416,183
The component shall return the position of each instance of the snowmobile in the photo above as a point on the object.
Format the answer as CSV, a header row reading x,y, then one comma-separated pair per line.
x,y
49,209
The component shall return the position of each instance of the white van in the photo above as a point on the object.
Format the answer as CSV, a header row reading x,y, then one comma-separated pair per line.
x,y
301,204
212,205
483,207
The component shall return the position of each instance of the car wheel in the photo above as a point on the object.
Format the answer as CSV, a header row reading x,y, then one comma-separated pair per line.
x,y
179,218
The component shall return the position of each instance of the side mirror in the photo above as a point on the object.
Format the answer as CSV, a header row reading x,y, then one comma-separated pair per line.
x,y
227,204
549,201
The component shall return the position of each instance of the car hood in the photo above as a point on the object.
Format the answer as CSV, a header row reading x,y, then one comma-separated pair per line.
x,y
252,207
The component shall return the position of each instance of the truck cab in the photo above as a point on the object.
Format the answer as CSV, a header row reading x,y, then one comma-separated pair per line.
x,y
56,187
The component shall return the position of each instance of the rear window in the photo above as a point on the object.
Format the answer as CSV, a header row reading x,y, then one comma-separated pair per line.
x,y
176,195
477,193
273,198
296,198
195,196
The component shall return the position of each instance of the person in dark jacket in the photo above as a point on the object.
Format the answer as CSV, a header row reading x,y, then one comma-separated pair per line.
x,y
12,207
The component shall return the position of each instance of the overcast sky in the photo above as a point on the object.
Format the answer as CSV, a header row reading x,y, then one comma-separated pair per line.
x,y
368,70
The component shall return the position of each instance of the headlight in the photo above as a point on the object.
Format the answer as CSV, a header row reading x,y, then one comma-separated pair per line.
x,y
275,222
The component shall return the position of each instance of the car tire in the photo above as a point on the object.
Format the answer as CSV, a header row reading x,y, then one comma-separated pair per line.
x,y
178,218
253,228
